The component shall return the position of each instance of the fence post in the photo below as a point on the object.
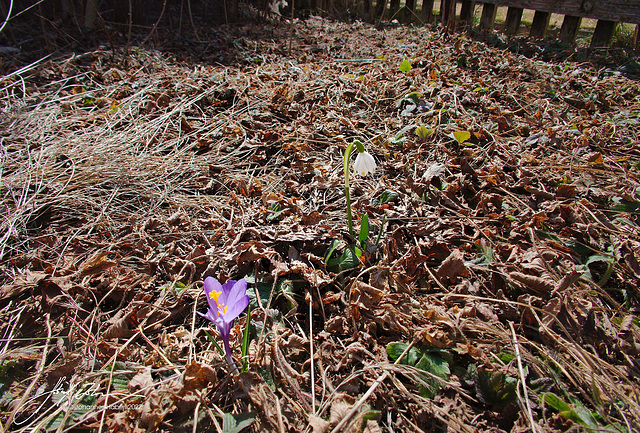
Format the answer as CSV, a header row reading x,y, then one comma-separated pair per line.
x,y
381,5
394,6
449,15
512,23
602,34
467,12
540,24
488,16
569,29
410,6
427,11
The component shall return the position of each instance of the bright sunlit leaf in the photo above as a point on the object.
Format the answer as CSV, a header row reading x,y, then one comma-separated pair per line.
x,y
405,66
461,136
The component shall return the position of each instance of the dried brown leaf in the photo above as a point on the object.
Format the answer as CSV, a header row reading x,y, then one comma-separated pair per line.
x,y
453,267
318,424
197,376
22,284
340,407
567,281
537,284
97,264
122,325
141,382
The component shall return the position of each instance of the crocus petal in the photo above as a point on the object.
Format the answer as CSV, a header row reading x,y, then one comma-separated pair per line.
x,y
226,289
213,289
225,330
237,308
237,300
210,316
237,291
223,327
365,163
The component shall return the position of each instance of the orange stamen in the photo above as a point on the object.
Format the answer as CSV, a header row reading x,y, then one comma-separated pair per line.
x,y
214,295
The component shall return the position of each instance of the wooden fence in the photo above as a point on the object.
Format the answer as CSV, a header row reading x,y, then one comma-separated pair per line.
x,y
607,12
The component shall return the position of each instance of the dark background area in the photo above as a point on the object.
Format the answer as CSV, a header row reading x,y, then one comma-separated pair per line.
x,y
209,30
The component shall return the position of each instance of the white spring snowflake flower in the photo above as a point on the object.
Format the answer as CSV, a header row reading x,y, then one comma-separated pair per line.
x,y
364,164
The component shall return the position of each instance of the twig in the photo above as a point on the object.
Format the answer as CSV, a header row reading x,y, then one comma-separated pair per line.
x,y
112,361
293,2
155,26
279,412
313,381
523,382
195,417
195,30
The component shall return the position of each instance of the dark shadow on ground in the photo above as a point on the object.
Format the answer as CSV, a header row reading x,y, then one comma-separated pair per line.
x,y
30,37
190,36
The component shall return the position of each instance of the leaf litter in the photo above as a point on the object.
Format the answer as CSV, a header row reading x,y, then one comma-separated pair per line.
x,y
502,294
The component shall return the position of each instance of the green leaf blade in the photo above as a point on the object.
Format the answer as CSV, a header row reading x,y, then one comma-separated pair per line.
x,y
364,230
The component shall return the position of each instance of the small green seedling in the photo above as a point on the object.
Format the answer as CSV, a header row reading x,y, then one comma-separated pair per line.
x,y
405,66
423,132
461,136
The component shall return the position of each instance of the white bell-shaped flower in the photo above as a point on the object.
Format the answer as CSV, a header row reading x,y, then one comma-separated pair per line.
x,y
364,164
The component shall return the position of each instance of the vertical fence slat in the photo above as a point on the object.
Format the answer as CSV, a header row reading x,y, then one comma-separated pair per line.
x,y
569,29
467,12
488,16
394,6
602,34
427,11
451,15
514,18
380,7
444,11
410,6
366,8
540,24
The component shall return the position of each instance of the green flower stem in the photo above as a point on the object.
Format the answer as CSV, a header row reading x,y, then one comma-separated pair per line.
x,y
346,159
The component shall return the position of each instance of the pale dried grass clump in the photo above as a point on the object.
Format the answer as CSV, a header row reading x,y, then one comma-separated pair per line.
x,y
66,160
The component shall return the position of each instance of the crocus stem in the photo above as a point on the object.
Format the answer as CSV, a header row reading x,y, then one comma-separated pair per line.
x,y
227,350
346,159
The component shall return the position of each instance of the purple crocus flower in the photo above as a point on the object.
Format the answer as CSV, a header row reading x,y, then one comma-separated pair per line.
x,y
226,302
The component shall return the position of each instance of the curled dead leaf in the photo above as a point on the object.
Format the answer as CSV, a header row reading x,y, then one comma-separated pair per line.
x,y
197,376
453,266
367,294
566,191
412,266
340,407
142,382
96,264
537,284
566,281
312,219
122,325
262,396
318,424
337,325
